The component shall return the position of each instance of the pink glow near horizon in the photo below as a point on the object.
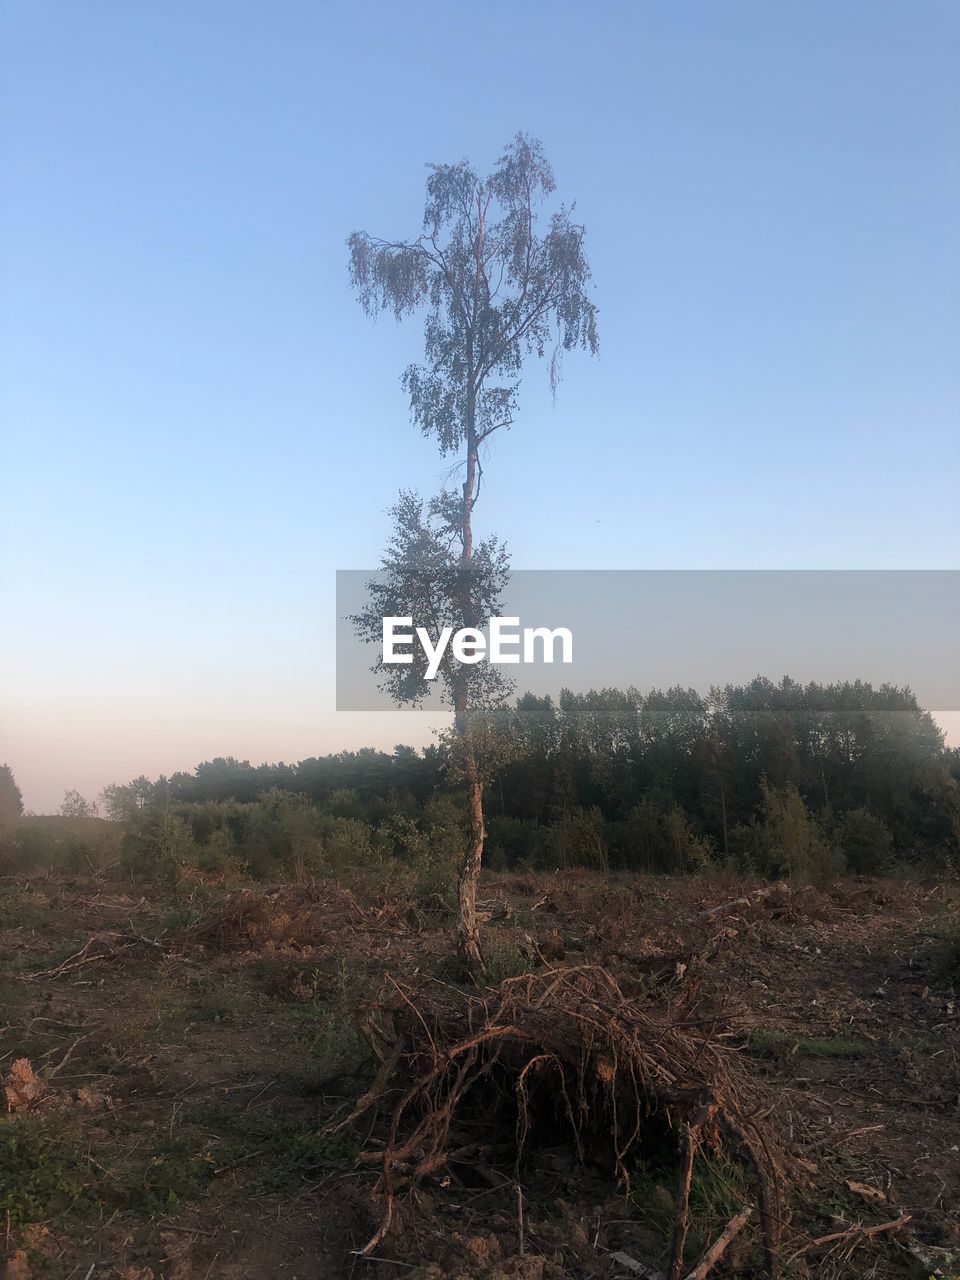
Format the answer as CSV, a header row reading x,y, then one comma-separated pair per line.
x,y
50,757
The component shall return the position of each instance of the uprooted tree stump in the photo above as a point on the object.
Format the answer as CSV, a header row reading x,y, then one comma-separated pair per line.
x,y
568,1047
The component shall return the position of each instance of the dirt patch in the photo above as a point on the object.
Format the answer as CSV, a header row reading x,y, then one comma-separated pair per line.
x,y
199,1050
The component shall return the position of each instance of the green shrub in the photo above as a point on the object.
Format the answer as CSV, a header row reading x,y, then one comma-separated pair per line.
x,y
286,1153
641,842
177,1172
504,959
346,843
688,852
158,845
866,843
219,855
514,842
43,1168
445,830
578,839
345,802
329,1026
658,836
66,844
787,840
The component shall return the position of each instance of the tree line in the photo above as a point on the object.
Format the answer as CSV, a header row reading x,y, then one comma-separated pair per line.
x,y
776,778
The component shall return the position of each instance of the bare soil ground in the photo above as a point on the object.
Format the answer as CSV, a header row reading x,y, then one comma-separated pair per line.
x,y
187,1056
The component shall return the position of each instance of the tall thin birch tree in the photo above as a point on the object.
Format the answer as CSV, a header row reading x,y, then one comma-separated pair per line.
x,y
500,279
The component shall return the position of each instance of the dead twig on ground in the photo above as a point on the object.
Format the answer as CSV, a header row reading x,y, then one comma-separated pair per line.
x,y
719,1246
779,888
69,1054
854,1234
100,948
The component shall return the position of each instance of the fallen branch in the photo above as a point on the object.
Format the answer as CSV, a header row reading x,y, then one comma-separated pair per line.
x,y
719,1246
69,1054
746,900
683,1205
857,1232
691,1140
101,947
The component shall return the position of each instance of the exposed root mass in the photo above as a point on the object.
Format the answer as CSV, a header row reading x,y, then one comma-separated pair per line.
x,y
564,1050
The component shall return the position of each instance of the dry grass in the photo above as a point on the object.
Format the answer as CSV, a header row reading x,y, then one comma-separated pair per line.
x,y
556,1119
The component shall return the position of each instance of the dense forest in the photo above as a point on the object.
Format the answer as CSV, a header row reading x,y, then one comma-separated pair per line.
x,y
776,779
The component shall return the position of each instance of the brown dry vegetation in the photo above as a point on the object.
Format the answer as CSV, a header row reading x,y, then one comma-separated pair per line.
x,y
201,1060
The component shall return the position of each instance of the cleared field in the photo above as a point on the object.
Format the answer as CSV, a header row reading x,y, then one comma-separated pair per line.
x,y
191,1059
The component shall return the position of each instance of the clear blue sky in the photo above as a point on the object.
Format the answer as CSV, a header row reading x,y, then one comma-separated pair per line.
x,y
199,424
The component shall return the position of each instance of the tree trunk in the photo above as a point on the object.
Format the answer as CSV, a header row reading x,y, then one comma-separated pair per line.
x,y
468,931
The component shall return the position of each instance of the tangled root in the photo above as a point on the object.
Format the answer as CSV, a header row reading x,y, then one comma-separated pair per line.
x,y
616,1069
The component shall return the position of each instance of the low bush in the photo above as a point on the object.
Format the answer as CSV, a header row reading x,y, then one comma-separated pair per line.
x,y
65,844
